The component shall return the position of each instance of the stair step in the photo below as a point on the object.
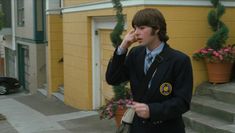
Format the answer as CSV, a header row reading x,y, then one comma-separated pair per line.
x,y
205,124
221,92
211,107
61,89
45,86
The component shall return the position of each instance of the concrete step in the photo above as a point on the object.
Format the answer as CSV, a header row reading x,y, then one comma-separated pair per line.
x,y
45,86
205,124
211,107
61,89
56,95
221,92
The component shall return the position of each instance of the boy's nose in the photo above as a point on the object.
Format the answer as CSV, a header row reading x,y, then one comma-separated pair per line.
x,y
136,31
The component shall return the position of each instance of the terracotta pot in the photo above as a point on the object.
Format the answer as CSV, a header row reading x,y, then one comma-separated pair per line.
x,y
118,116
233,51
219,72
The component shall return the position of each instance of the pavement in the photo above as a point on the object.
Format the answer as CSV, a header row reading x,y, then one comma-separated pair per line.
x,y
36,113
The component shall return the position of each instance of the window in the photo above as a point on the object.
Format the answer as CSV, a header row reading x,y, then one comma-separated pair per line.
x,y
20,12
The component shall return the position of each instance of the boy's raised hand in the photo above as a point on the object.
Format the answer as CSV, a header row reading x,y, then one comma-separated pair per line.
x,y
128,40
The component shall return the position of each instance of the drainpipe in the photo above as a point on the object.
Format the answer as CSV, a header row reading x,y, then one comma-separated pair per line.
x,y
61,4
13,28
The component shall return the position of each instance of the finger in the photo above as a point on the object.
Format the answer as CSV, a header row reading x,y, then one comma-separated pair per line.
x,y
129,106
143,115
140,108
139,105
132,31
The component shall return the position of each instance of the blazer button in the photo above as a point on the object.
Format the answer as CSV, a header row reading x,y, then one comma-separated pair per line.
x,y
143,122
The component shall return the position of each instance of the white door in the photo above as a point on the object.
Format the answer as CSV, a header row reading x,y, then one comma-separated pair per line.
x,y
101,52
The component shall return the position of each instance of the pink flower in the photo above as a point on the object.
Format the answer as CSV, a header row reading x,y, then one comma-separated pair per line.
x,y
226,50
221,57
204,51
220,51
215,53
210,49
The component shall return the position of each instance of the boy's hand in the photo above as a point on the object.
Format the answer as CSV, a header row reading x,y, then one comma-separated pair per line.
x,y
128,40
141,109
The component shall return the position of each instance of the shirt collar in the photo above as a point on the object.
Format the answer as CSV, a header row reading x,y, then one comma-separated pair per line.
x,y
156,51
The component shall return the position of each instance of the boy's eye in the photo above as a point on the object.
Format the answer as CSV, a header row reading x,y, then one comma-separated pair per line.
x,y
141,27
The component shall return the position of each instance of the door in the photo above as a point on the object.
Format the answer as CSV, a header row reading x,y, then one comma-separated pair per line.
x,y
10,62
107,50
106,53
102,51
23,65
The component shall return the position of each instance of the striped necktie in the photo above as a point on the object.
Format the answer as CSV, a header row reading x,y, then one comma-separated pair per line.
x,y
149,61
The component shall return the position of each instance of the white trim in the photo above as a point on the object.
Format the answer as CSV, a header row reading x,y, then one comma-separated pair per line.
x,y
23,43
96,93
53,11
108,4
54,6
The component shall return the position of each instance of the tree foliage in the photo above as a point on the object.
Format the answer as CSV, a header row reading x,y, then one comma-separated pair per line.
x,y
218,39
115,36
120,91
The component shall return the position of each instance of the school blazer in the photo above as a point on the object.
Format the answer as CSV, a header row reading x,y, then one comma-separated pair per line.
x,y
169,95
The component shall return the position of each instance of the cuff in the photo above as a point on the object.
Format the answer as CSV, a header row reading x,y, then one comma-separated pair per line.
x,y
120,51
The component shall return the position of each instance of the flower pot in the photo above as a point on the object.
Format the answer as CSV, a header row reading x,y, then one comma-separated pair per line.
x,y
219,72
118,115
233,50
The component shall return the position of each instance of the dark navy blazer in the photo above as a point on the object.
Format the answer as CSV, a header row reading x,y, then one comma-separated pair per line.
x,y
169,95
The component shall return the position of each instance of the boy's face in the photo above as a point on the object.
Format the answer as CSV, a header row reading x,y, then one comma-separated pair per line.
x,y
144,35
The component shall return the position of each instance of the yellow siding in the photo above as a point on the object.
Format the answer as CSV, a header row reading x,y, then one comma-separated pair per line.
x,y
188,31
77,2
77,57
55,52
187,28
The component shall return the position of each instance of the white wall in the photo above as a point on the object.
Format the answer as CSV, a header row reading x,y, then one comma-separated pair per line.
x,y
27,31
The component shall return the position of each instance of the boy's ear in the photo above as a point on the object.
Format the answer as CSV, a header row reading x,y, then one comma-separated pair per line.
x,y
156,32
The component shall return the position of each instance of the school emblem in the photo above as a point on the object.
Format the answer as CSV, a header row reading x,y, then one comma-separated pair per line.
x,y
166,89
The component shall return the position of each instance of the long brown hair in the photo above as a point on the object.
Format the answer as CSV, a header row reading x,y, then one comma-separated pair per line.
x,y
153,18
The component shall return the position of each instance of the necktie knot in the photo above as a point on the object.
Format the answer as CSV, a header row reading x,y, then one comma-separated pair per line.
x,y
149,58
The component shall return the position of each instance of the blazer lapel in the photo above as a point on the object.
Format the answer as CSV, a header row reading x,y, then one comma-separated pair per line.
x,y
140,63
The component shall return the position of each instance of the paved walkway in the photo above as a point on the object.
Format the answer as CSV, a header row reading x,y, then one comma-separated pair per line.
x,y
39,114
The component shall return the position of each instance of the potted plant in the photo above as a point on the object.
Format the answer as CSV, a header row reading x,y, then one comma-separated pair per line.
x,y
219,58
233,46
116,107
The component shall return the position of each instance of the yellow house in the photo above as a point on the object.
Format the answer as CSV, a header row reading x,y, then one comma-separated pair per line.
x,y
78,33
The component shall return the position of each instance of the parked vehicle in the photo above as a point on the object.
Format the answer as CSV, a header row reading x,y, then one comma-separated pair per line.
x,y
8,84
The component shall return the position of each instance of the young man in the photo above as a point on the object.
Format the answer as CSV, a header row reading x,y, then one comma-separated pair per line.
x,y
169,91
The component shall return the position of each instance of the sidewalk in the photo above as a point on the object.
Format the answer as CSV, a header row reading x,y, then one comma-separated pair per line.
x,y
38,114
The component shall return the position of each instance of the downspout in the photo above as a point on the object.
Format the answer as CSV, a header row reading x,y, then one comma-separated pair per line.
x,y
13,28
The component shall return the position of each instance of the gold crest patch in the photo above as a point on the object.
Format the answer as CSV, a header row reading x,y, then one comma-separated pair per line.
x,y
166,89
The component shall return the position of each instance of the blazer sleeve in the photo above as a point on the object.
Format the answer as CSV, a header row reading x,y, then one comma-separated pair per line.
x,y
117,70
182,94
